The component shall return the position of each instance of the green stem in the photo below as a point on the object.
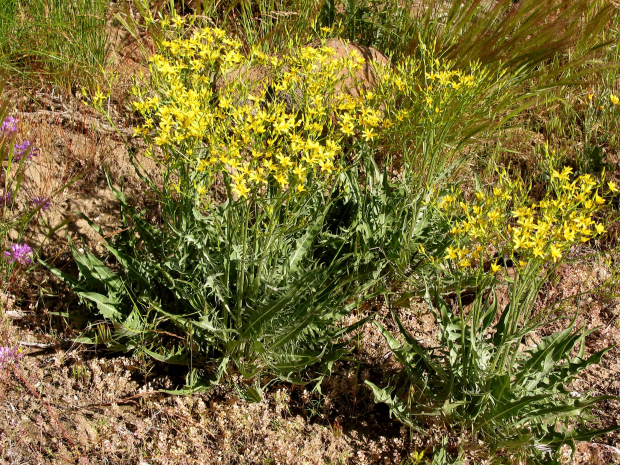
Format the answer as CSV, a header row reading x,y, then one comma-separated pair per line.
x,y
242,264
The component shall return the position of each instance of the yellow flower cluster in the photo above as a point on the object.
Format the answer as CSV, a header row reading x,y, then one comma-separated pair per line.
x,y
442,87
503,223
444,84
207,112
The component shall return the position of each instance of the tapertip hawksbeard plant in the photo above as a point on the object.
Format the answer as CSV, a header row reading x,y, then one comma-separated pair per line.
x,y
238,270
490,378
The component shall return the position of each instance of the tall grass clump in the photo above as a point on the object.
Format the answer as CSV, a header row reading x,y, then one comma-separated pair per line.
x,y
63,42
513,34
490,378
581,121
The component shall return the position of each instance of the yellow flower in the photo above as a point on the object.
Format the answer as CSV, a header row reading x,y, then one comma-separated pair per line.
x,y
612,186
270,165
445,201
162,139
232,57
522,212
452,253
284,125
347,129
238,178
600,229
281,178
284,160
519,242
140,131
368,134
556,254
569,234
98,97
495,267
476,253
300,172
566,172
241,190
614,99
493,215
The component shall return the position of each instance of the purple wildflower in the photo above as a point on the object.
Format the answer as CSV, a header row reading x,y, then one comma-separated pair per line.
x,y
9,125
6,200
20,149
9,355
44,202
20,253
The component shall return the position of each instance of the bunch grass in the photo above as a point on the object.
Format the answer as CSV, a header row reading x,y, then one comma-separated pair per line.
x,y
63,42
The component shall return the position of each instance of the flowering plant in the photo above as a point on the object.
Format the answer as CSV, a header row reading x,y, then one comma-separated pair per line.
x,y
13,218
20,253
209,116
503,224
481,379
9,355
240,270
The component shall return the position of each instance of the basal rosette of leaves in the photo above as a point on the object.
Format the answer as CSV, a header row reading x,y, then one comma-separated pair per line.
x,y
489,378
